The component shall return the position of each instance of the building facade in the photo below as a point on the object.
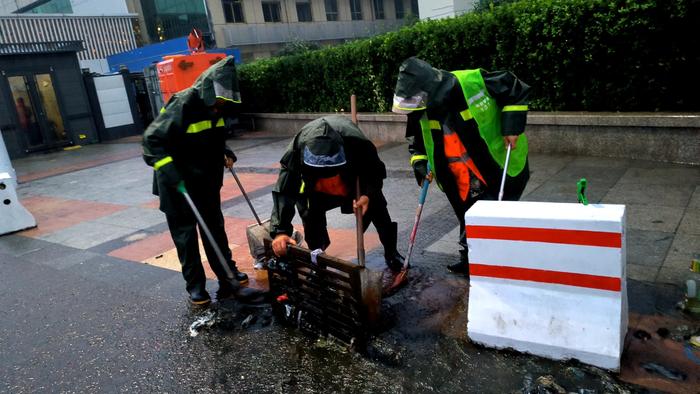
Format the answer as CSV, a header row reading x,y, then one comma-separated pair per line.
x,y
438,9
104,27
260,28
162,20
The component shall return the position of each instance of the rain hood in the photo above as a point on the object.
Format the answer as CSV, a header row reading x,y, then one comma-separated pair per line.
x,y
218,82
420,86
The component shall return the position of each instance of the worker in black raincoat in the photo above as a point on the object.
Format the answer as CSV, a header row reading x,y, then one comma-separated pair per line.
x,y
459,123
318,173
187,143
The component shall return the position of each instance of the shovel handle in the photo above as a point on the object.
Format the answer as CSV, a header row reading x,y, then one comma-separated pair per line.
x,y
360,228
353,108
207,233
245,195
505,171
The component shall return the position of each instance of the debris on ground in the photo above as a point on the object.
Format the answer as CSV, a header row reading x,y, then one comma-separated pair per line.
x,y
663,332
205,321
547,384
642,335
667,373
247,321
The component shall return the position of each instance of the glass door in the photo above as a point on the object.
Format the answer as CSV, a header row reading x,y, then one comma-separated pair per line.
x,y
27,121
38,113
51,111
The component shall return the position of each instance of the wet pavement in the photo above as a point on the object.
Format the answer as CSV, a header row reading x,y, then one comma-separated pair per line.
x,y
92,299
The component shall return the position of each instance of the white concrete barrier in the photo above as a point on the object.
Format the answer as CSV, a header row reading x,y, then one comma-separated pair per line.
x,y
548,279
13,216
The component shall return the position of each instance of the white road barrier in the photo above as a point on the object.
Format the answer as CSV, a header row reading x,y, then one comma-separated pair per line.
x,y
548,279
13,216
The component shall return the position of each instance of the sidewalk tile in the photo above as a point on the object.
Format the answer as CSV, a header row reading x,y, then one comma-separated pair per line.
x,y
644,273
251,183
146,248
647,248
87,234
565,192
685,247
676,276
55,214
447,244
690,224
662,176
134,217
695,199
550,164
653,218
596,176
604,163
649,194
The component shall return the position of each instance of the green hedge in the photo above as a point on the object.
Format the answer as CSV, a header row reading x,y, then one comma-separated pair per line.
x,y
593,55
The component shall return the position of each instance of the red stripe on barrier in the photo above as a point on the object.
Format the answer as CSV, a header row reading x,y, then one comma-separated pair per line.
x,y
544,276
549,235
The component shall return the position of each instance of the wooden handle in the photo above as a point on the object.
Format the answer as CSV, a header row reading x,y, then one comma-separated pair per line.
x,y
360,228
353,108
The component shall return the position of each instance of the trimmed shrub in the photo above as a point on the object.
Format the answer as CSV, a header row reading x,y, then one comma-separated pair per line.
x,y
592,55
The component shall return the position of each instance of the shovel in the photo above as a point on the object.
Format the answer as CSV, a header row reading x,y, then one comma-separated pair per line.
x,y
258,233
242,293
370,281
402,277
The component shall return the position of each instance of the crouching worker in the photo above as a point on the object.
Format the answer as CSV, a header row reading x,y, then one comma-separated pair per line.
x,y
319,172
187,143
460,123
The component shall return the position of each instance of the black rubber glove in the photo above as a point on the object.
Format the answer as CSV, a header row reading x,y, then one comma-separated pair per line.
x,y
229,153
420,170
168,175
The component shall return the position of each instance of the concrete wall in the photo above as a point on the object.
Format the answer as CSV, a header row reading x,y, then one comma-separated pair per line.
x,y
650,136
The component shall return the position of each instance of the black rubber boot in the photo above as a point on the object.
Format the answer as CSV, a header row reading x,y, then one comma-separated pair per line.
x,y
462,267
241,277
389,237
233,290
199,296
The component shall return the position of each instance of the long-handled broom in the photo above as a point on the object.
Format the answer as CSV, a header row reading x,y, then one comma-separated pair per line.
x,y
402,277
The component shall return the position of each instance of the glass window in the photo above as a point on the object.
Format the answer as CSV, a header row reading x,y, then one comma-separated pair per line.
x,y
400,11
356,9
304,11
271,11
233,11
179,6
331,10
47,7
378,9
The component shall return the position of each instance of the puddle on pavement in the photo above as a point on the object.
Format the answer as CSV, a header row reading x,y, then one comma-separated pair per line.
x,y
422,347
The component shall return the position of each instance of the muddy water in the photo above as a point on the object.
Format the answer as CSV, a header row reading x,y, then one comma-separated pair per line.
x,y
421,347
